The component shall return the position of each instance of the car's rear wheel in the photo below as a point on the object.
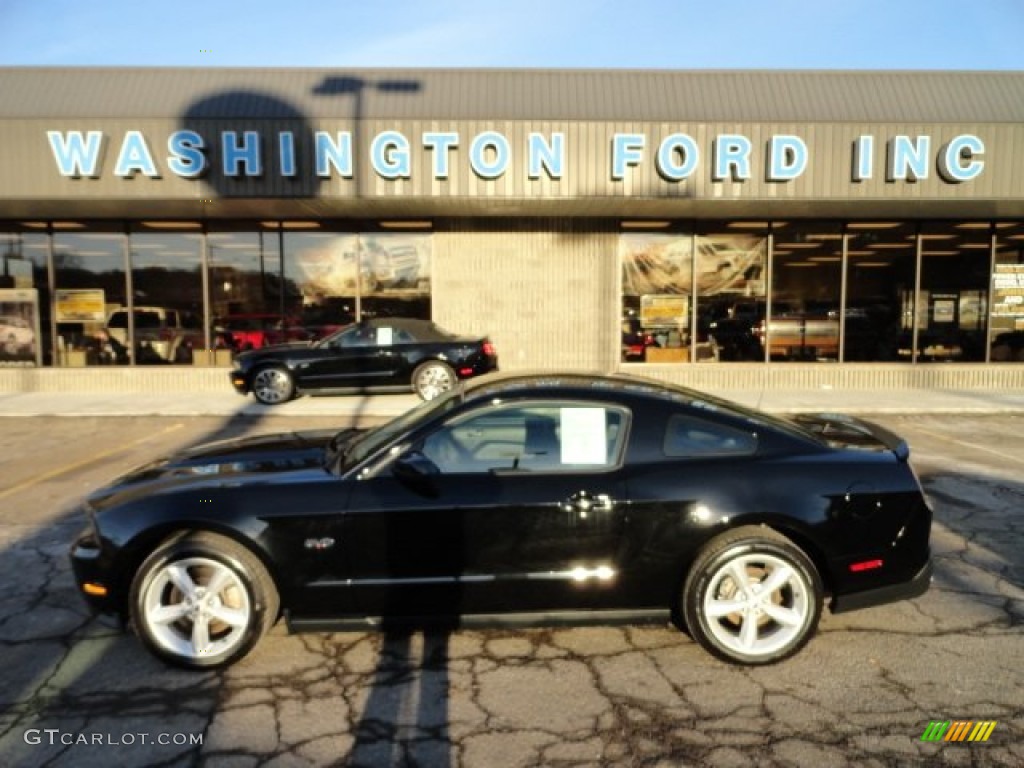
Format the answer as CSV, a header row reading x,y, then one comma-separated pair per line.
x,y
202,600
752,597
273,385
433,379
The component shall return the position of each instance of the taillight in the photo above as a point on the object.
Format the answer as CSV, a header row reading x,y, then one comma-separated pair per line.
x,y
488,349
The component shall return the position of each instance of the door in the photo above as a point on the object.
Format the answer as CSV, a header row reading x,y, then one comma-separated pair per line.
x,y
507,508
361,356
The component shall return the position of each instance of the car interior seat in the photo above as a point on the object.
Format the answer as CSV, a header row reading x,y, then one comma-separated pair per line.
x,y
542,447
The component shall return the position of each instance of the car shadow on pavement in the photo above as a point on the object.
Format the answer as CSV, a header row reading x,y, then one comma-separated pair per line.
x,y
405,718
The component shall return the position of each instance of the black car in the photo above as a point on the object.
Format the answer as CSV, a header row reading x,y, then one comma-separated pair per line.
x,y
547,498
376,354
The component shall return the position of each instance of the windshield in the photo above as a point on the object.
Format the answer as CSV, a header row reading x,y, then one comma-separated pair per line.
x,y
369,442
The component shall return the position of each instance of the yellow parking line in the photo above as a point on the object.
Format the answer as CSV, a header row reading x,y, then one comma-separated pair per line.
x,y
940,436
84,462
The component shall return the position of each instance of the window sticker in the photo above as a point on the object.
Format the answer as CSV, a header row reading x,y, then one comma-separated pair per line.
x,y
385,337
584,435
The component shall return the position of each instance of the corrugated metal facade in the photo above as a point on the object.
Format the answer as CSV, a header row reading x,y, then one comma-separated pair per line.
x,y
467,94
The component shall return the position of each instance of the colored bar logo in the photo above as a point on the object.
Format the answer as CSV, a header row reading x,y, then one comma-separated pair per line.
x,y
958,730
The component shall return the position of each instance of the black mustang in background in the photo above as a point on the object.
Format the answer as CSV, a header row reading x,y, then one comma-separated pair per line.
x,y
554,498
388,353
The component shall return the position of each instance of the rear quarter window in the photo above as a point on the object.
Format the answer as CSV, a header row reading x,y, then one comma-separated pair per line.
x,y
688,436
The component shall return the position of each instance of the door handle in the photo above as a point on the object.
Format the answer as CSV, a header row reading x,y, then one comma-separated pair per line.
x,y
583,503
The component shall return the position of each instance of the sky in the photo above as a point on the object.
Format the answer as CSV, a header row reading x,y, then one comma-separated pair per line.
x,y
560,34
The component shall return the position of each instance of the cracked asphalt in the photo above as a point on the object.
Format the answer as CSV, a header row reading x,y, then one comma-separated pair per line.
x,y
76,691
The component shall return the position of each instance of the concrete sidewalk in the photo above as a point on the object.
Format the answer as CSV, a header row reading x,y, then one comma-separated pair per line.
x,y
14,404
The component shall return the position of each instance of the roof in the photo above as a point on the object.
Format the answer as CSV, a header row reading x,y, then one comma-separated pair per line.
x,y
513,94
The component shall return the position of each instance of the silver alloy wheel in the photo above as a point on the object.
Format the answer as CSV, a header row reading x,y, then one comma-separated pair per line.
x,y
757,604
197,608
432,380
272,386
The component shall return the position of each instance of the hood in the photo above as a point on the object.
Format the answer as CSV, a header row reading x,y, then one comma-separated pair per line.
x,y
842,431
259,454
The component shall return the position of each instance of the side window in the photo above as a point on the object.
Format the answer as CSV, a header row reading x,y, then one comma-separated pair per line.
x,y
691,437
545,437
357,336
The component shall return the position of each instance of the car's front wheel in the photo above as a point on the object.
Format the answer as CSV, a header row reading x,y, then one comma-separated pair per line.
x,y
273,385
202,600
433,379
752,597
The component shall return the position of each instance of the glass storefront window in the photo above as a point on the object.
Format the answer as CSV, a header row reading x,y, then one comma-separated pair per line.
x,y
251,305
882,258
657,283
953,301
806,290
166,324
344,276
91,284
731,263
1006,334
398,267
24,299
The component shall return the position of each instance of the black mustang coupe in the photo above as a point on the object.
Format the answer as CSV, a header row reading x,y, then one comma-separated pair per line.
x,y
544,498
376,354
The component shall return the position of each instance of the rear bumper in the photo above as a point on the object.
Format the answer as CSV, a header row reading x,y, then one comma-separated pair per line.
x,y
892,593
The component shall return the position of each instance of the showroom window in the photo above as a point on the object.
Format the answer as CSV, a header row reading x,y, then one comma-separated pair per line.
x,y
90,284
657,284
882,257
24,298
953,299
339,277
1007,331
731,264
166,324
251,304
807,278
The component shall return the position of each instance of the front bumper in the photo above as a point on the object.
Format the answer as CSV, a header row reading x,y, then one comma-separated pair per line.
x,y
91,572
890,593
239,382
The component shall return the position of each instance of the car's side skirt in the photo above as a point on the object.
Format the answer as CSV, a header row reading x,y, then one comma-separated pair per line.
x,y
481,620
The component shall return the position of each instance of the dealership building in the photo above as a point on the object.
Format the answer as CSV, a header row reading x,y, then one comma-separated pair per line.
x,y
724,229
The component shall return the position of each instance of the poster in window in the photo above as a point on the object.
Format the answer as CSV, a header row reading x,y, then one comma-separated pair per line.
x,y
19,327
80,305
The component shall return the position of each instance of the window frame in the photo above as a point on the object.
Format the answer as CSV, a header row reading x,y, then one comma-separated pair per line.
x,y
612,464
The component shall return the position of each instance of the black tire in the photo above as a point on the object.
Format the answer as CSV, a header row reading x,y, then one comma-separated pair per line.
x,y
186,625
766,626
273,385
432,379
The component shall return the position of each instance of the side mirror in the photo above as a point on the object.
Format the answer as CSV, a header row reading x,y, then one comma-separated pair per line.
x,y
417,472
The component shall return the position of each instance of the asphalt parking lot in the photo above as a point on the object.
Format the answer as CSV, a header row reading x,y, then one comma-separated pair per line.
x,y
75,691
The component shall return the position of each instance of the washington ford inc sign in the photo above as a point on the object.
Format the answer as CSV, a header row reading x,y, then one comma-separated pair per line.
x,y
390,154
